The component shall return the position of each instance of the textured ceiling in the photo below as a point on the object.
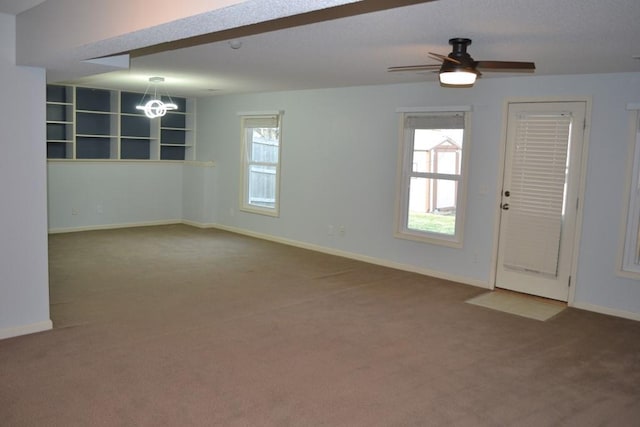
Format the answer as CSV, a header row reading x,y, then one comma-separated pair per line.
x,y
568,37
14,7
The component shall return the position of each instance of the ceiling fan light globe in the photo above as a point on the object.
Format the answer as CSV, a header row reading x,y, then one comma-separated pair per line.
x,y
457,78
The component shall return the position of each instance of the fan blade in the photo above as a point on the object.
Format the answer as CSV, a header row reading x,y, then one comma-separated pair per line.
x,y
424,67
506,65
444,58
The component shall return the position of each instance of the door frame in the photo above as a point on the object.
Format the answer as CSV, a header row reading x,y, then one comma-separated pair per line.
x,y
581,185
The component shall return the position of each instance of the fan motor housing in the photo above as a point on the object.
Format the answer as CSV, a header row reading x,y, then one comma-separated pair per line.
x,y
459,51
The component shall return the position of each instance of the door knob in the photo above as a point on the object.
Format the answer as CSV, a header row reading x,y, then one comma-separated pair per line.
x,y
507,193
505,206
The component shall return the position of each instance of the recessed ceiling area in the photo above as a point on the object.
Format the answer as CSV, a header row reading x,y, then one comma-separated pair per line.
x,y
583,37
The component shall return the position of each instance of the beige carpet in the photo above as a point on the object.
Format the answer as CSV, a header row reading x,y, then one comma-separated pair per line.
x,y
176,326
520,305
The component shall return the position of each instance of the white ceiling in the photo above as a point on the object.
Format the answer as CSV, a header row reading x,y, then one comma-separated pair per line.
x,y
14,7
561,37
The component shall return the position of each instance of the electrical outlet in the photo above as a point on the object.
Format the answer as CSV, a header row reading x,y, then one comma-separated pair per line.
x,y
75,211
99,209
342,231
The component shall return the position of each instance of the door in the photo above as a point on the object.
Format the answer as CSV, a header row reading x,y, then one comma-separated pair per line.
x,y
539,201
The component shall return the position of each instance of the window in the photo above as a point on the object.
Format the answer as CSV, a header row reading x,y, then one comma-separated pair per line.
x,y
261,163
431,176
631,249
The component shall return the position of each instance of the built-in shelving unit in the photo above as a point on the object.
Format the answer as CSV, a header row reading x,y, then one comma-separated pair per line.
x,y
96,124
176,130
91,123
138,139
60,123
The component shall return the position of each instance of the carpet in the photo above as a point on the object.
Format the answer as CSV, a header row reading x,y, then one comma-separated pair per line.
x,y
179,326
518,304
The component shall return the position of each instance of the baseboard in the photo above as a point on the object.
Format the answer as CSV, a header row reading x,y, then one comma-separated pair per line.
x,y
25,329
346,254
113,226
197,224
606,310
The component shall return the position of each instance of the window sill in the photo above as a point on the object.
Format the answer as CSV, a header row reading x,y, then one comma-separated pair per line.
x,y
635,275
260,211
433,239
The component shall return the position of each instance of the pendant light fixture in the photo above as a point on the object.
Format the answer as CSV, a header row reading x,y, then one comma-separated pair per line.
x,y
152,103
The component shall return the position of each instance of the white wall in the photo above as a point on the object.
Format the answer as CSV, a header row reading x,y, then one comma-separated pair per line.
x,y
103,194
24,290
198,196
94,194
339,168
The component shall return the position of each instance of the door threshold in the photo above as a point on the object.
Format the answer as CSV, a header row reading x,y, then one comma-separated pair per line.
x,y
532,297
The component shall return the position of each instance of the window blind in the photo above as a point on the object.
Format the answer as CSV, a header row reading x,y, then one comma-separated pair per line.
x,y
434,121
537,188
260,122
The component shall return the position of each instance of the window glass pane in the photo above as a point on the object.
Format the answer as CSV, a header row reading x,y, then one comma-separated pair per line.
x,y
432,205
264,145
437,150
426,139
448,162
262,185
421,161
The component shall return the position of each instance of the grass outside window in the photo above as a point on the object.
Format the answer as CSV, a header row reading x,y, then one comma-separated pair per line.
x,y
442,223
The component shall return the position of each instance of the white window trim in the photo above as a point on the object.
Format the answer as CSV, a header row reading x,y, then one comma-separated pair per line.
x,y
401,231
630,223
449,109
244,205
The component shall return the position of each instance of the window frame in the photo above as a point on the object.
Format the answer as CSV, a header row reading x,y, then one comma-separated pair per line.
x,y
246,163
405,173
629,256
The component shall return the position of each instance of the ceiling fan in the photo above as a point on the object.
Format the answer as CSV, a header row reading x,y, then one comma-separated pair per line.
x,y
460,69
